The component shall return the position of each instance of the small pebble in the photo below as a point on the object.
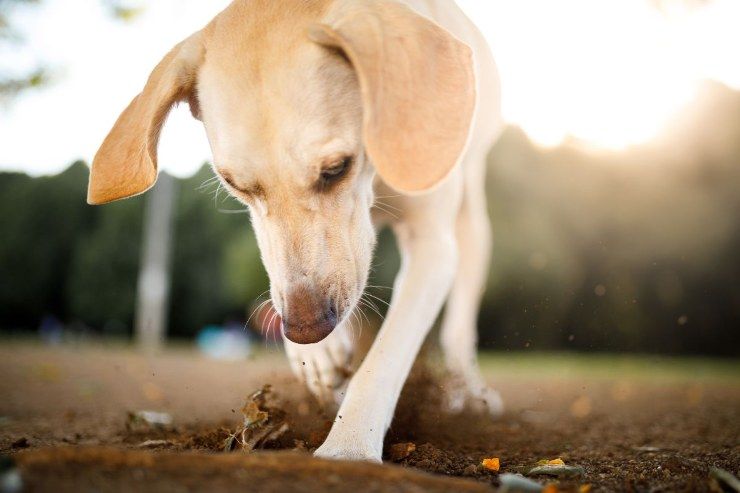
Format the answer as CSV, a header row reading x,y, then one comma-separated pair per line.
x,y
557,471
515,483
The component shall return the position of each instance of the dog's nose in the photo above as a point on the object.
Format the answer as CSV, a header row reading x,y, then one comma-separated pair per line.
x,y
308,317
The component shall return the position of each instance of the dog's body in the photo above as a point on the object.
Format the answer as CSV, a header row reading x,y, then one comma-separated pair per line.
x,y
380,102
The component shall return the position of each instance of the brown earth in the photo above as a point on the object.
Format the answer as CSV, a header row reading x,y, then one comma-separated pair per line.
x,y
64,425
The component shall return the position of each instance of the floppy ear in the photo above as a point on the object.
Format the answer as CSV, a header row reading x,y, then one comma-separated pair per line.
x,y
126,163
418,90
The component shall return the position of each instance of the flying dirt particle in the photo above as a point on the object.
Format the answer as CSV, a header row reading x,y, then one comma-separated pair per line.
x,y
600,290
399,451
21,443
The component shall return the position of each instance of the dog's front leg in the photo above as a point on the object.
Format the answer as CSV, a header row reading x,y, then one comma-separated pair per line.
x,y
429,257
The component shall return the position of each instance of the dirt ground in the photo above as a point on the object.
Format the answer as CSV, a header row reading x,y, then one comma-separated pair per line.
x,y
65,425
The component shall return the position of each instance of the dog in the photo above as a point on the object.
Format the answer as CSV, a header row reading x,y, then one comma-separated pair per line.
x,y
313,109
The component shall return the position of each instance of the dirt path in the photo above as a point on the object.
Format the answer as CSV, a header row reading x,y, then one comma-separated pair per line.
x,y
63,420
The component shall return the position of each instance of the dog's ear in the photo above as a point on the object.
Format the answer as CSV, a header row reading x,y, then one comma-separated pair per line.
x,y
126,163
418,90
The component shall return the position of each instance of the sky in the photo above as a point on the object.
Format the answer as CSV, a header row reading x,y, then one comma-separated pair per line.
x,y
608,73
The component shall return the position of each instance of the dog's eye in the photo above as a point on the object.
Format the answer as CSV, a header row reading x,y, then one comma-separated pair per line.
x,y
333,173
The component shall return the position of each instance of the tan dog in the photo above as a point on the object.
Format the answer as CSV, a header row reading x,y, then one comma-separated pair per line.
x,y
312,108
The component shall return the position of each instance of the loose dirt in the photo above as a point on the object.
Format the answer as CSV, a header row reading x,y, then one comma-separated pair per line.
x,y
65,426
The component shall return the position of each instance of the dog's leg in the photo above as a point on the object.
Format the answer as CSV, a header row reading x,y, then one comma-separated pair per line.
x,y
458,333
429,259
324,367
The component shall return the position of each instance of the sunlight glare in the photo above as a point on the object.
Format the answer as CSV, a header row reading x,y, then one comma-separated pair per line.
x,y
609,73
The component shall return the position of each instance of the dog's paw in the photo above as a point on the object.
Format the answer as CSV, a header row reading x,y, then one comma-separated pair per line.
x,y
476,396
345,450
324,367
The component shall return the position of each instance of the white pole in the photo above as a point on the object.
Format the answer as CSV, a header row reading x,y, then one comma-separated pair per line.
x,y
152,294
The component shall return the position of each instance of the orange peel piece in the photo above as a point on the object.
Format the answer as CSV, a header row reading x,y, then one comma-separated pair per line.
x,y
492,464
551,462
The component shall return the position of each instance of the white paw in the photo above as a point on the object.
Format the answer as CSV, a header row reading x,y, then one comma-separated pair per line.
x,y
474,394
324,367
346,450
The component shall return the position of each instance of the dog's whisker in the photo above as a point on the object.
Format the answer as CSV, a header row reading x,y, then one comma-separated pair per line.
x,y
377,298
275,330
384,204
358,308
266,330
210,181
215,195
271,328
364,315
352,328
262,293
359,337
259,307
373,308
377,206
371,305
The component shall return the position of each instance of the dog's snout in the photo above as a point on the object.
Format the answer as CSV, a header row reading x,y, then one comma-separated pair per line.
x,y
308,317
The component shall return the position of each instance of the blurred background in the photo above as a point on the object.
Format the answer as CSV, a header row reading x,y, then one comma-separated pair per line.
x,y
614,190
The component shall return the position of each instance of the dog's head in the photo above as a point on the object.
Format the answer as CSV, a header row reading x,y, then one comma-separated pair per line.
x,y
303,103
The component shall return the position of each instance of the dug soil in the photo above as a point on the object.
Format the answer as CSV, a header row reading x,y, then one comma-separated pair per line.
x,y
69,422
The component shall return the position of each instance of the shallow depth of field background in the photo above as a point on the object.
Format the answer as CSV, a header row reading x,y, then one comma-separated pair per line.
x,y
614,192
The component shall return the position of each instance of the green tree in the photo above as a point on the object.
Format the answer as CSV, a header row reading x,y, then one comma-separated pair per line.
x,y
41,220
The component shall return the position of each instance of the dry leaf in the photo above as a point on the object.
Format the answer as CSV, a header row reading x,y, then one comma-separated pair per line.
x,y
262,424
